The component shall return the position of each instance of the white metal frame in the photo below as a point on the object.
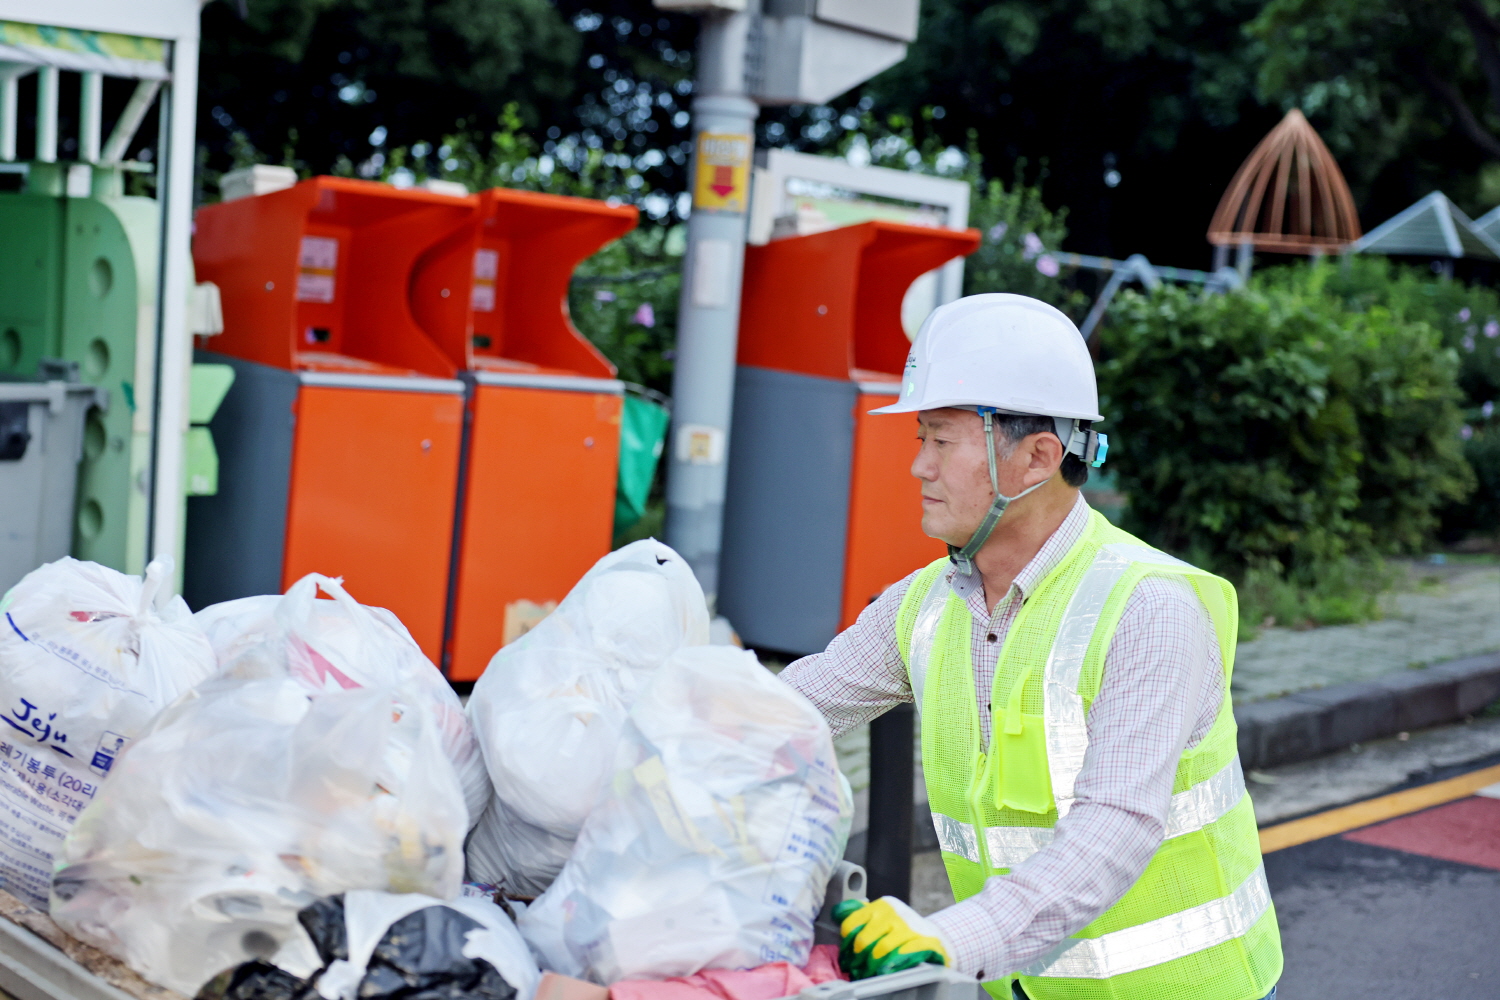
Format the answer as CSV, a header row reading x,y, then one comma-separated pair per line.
x,y
175,22
769,197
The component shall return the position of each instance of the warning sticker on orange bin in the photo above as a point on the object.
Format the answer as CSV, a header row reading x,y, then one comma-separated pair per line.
x,y
319,261
723,174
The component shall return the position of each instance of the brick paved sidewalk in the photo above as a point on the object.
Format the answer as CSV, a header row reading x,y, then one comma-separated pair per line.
x,y
1453,614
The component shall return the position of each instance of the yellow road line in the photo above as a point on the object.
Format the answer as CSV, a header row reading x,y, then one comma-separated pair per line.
x,y
1326,824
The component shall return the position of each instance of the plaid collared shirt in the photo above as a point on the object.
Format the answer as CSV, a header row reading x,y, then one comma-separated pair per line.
x,y
1162,677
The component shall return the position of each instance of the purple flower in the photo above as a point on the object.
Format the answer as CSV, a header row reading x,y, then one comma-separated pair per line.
x,y
1468,343
644,316
604,295
997,231
1463,314
1047,264
1033,244
1488,409
1492,329
1466,432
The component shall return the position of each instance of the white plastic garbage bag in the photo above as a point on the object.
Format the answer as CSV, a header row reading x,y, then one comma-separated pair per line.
x,y
548,710
713,845
87,657
329,649
249,798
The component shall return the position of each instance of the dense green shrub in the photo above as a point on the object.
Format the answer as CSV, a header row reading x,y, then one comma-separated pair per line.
x,y
1020,235
1467,317
1275,433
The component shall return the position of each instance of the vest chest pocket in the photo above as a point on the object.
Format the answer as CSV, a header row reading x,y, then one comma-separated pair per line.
x,y
1018,763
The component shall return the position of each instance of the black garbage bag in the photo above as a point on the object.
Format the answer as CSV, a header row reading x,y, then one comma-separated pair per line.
x,y
420,957
257,980
324,923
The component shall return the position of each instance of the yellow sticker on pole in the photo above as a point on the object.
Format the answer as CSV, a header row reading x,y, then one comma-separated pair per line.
x,y
723,173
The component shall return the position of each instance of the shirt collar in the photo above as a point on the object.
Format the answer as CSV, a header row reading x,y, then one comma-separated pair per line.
x,y
1045,561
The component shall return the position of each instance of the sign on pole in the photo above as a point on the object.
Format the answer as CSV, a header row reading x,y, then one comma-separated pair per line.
x,y
723,172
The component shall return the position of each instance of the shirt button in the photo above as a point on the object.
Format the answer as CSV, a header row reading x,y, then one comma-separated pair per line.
x,y
993,637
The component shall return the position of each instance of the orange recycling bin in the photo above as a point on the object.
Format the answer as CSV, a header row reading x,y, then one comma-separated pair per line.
x,y
340,440
542,457
822,512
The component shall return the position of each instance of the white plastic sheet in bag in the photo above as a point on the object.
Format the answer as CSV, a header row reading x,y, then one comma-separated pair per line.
x,y
340,644
713,844
87,657
549,708
249,798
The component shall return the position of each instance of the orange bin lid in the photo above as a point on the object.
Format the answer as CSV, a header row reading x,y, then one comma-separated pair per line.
x,y
519,256
320,275
829,304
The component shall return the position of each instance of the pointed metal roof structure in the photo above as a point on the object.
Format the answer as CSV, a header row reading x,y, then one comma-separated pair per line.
x,y
1289,196
1433,227
1489,224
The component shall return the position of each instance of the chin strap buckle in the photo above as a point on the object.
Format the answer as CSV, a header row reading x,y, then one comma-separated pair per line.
x,y
1095,449
1089,446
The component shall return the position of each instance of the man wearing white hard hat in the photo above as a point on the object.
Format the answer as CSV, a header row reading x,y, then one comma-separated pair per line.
x,y
1072,684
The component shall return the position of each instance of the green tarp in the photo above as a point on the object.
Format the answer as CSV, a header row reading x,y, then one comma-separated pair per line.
x,y
643,430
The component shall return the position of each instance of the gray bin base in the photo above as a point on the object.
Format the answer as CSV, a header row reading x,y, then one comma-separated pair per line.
x,y
38,491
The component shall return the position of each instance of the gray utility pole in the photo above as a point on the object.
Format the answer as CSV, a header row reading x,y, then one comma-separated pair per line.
x,y
708,317
750,53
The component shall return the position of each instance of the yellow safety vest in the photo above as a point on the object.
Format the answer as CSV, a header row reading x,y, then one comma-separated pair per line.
x,y
1198,924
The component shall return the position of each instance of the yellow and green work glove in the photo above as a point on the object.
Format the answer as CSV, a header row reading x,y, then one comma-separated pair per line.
x,y
886,936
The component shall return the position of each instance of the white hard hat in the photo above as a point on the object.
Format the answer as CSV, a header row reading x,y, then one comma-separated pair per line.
x,y
1010,352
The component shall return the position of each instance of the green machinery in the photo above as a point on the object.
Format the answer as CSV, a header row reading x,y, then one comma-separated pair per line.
x,y
78,281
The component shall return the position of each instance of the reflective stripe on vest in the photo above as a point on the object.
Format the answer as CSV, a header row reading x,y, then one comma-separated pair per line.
x,y
934,602
1008,846
956,837
1065,726
1161,940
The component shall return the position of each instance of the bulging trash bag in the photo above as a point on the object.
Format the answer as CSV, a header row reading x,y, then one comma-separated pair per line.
x,y
713,844
246,800
87,657
341,644
549,708
380,946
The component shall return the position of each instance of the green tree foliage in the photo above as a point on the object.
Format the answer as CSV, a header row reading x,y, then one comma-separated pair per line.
x,y
1135,113
1275,432
1468,319
311,82
1405,92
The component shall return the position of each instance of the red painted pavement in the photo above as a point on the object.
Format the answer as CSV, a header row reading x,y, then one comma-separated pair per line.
x,y
1466,831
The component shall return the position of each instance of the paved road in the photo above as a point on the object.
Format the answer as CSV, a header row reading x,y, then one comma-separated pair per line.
x,y
1360,921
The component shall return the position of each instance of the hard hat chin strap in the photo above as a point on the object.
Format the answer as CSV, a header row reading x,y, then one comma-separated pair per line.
x,y
963,558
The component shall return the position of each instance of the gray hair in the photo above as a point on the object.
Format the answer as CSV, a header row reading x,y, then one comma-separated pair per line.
x,y
1014,428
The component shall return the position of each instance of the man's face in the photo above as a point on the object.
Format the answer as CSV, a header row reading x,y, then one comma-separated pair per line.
x,y
955,473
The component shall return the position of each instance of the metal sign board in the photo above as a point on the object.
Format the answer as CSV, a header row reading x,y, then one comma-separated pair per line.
x,y
166,19
722,183
892,18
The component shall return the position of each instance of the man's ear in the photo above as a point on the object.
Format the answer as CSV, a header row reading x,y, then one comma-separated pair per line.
x,y
1043,451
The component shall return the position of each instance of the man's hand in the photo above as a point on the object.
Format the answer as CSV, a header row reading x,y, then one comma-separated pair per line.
x,y
886,936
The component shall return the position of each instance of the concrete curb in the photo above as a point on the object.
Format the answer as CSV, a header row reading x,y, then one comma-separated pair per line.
x,y
1311,723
